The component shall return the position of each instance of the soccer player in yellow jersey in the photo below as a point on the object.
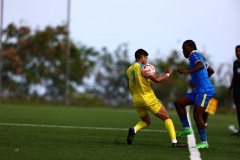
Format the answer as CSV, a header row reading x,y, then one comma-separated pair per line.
x,y
145,100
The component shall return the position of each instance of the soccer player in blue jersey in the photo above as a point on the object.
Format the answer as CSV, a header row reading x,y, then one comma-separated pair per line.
x,y
145,100
210,72
199,97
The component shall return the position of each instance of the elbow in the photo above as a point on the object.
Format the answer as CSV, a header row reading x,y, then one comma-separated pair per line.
x,y
159,81
201,67
156,80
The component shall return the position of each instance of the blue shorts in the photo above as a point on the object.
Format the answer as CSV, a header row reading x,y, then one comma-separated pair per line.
x,y
200,99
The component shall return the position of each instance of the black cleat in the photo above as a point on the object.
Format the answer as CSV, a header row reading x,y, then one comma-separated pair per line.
x,y
237,134
178,145
130,136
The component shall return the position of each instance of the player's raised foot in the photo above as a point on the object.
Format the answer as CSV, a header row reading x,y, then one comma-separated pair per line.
x,y
131,134
237,134
201,145
184,133
178,145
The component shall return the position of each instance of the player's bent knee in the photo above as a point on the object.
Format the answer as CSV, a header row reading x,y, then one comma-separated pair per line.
x,y
177,104
148,122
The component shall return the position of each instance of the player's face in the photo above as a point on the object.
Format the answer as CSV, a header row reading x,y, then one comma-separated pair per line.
x,y
145,59
186,50
238,53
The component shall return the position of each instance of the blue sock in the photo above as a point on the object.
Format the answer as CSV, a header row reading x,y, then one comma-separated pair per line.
x,y
203,135
185,122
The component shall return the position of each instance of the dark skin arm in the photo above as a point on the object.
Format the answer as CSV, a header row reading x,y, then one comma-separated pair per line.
x,y
210,71
158,79
198,66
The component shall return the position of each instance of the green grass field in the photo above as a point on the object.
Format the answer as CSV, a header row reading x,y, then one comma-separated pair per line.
x,y
48,133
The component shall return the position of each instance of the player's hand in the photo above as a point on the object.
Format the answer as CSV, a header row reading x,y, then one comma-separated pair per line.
x,y
182,71
169,70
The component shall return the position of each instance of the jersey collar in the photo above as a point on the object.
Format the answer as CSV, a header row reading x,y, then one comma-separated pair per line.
x,y
192,52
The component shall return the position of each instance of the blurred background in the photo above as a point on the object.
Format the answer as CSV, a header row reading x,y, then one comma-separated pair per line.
x,y
76,52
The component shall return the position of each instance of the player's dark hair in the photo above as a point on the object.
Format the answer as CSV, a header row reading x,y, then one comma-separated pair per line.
x,y
237,47
140,52
191,43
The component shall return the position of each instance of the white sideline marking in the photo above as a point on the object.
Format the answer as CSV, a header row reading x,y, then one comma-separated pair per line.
x,y
74,127
194,152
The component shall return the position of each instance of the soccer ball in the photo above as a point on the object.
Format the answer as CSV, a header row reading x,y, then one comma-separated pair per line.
x,y
147,70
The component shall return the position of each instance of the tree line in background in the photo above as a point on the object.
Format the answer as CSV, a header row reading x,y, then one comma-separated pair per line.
x,y
34,67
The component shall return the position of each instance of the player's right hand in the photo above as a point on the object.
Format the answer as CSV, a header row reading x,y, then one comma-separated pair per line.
x,y
169,70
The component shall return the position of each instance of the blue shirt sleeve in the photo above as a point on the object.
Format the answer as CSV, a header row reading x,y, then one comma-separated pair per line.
x,y
195,57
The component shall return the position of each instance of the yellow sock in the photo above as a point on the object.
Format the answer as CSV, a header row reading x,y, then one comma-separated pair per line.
x,y
140,125
170,128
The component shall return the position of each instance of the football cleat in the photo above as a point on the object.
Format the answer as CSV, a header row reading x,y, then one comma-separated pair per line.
x,y
201,145
237,134
184,133
178,145
131,134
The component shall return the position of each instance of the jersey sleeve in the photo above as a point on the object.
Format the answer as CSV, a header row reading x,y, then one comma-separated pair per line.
x,y
195,57
206,65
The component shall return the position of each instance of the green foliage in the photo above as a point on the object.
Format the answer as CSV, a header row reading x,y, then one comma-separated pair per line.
x,y
176,85
40,58
221,94
111,78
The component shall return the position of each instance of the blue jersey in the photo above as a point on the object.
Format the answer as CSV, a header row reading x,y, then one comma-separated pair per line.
x,y
200,78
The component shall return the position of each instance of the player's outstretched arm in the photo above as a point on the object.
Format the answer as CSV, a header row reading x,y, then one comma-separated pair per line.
x,y
198,66
158,79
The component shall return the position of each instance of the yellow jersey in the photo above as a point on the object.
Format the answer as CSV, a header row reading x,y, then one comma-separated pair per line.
x,y
142,93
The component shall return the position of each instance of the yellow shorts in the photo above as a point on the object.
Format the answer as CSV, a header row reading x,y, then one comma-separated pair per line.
x,y
143,110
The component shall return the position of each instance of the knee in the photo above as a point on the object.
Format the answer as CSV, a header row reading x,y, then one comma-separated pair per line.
x,y
148,122
196,115
177,104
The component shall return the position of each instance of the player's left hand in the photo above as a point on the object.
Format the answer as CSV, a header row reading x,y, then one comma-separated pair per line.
x,y
182,71
169,70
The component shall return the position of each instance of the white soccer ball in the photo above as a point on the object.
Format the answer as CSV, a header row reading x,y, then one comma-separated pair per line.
x,y
147,70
